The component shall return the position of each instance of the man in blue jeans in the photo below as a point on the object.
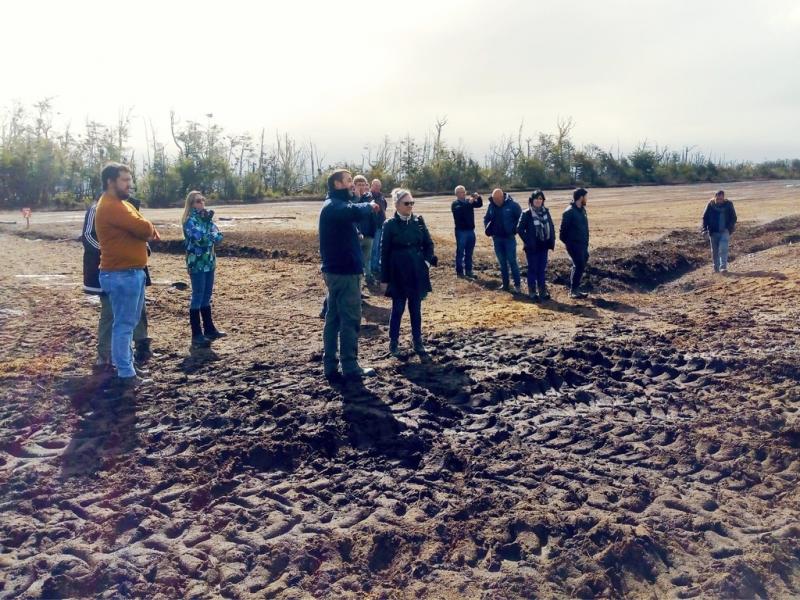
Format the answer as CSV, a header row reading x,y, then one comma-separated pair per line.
x,y
500,222
123,234
719,221
463,210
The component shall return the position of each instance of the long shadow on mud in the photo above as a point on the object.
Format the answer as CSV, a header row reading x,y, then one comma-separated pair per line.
x,y
105,430
197,358
445,381
371,426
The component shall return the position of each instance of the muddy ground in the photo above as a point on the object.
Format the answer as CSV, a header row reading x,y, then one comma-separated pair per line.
x,y
642,443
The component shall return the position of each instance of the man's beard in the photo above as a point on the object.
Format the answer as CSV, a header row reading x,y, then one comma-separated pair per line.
x,y
123,195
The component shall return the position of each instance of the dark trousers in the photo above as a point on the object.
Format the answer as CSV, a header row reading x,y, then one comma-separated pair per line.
x,y
414,311
579,256
465,246
537,267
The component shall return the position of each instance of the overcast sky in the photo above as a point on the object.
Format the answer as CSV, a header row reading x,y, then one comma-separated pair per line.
x,y
719,75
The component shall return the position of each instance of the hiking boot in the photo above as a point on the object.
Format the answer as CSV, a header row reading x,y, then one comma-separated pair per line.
x,y
359,374
142,352
334,377
102,365
576,295
124,384
533,296
504,288
517,289
723,269
394,348
459,275
470,275
544,295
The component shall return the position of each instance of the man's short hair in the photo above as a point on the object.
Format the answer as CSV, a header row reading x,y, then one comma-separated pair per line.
x,y
111,172
459,187
578,194
359,179
337,175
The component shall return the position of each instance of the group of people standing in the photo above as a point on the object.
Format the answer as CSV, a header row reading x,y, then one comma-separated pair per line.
x,y
358,240
504,220
116,240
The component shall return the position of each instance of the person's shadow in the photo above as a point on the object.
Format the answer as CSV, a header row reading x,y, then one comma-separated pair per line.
x,y
445,381
106,427
372,427
197,358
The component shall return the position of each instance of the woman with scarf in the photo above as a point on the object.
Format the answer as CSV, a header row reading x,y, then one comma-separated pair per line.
x,y
538,234
201,235
406,257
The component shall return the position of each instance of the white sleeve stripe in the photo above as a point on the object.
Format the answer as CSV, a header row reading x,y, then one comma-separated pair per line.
x,y
87,232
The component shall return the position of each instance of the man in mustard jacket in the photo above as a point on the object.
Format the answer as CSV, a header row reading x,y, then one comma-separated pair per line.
x,y
123,234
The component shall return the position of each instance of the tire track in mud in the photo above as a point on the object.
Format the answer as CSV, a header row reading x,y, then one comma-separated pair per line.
x,y
619,462
267,477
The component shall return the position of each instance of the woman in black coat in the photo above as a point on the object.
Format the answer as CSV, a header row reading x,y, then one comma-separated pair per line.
x,y
406,256
538,234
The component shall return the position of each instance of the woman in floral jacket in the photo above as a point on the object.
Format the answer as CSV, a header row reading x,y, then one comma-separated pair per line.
x,y
201,235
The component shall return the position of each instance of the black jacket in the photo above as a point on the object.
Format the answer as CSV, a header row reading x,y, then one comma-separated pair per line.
x,y
574,230
380,217
464,213
367,226
338,235
91,251
711,217
529,223
405,246
502,221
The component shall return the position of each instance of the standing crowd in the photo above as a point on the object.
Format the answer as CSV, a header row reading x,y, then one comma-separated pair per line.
x,y
360,245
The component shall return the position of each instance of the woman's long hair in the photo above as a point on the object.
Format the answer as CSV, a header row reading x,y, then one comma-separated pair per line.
x,y
187,210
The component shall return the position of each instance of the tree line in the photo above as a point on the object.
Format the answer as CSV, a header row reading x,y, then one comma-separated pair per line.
x,y
45,166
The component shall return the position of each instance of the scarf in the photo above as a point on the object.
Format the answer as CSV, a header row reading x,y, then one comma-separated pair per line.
x,y
541,224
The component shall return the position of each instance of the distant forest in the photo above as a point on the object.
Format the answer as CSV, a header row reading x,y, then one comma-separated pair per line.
x,y
42,166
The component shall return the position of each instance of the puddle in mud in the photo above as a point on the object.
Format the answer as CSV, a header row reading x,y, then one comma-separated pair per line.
x,y
43,277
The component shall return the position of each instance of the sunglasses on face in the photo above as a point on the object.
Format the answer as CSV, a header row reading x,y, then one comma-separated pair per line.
x,y
408,203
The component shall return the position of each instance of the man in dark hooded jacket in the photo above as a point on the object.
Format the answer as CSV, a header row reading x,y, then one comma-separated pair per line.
x,y
719,222
574,232
342,268
500,222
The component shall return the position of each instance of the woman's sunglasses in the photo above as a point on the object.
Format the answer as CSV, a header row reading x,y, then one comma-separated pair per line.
x,y
408,203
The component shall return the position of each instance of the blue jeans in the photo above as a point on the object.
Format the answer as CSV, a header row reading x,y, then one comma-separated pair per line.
x,y
537,267
506,251
719,249
125,289
375,259
465,246
202,286
414,312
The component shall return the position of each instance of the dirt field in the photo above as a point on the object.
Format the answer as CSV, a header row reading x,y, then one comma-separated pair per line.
x,y
642,443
